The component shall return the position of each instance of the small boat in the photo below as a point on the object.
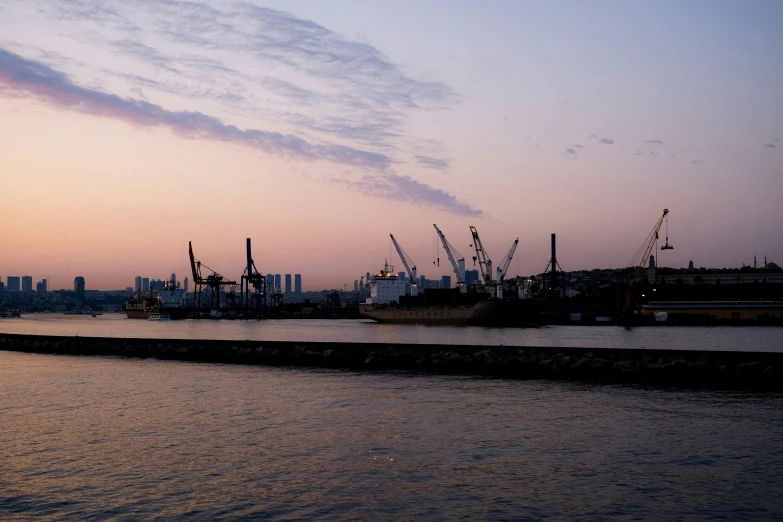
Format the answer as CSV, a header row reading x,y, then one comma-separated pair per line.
x,y
155,316
603,319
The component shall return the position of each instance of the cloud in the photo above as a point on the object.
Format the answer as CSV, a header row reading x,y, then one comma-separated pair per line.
x,y
26,77
433,163
571,153
606,141
576,146
313,78
654,142
593,137
653,153
638,153
404,188
770,145
695,162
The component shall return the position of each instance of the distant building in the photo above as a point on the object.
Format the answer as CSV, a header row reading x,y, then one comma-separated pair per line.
x,y
422,282
445,282
137,285
145,284
42,287
78,287
288,283
471,277
27,283
185,284
173,278
2,287
278,283
270,283
298,283
14,283
356,285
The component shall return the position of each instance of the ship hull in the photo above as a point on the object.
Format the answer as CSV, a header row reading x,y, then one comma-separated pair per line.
x,y
485,313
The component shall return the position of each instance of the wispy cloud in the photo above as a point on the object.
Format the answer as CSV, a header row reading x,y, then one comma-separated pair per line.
x,y
695,162
404,188
654,142
571,153
638,153
23,77
606,141
315,79
27,77
433,163
770,145
576,146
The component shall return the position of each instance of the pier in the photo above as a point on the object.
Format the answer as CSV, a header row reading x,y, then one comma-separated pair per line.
x,y
744,370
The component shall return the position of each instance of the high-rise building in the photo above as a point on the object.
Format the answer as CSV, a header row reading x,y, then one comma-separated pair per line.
x,y
173,279
145,284
298,283
78,287
401,276
471,277
42,287
14,283
137,285
356,285
27,283
2,287
185,284
270,283
422,282
278,280
445,282
288,283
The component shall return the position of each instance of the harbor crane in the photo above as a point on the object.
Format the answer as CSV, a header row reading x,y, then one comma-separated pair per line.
x,y
485,264
457,264
255,302
407,262
210,285
635,269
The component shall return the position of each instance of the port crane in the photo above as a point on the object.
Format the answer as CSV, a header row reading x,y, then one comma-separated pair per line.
x,y
485,264
407,262
212,282
635,269
255,302
457,264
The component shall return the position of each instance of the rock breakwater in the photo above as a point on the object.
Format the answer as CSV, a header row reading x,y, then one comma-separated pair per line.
x,y
719,369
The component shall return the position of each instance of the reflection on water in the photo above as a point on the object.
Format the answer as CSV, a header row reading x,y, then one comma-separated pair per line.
x,y
686,338
144,438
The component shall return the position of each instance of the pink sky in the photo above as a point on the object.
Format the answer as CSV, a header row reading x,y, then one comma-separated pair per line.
x,y
123,138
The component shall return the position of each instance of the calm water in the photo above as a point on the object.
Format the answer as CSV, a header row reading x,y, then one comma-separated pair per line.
x,y
139,439
686,338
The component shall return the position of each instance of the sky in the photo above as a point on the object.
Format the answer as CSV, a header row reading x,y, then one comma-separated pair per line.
x,y
318,128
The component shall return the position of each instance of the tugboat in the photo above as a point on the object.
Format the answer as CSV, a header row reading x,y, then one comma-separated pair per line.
x,y
168,304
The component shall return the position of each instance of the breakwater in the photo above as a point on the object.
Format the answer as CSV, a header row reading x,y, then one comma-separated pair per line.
x,y
714,369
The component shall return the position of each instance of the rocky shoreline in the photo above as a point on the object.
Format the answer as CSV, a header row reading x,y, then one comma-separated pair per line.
x,y
693,369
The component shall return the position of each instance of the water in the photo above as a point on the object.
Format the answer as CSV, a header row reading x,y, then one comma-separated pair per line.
x,y
139,439
671,337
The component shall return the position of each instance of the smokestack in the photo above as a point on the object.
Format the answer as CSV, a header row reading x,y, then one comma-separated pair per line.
x,y
554,261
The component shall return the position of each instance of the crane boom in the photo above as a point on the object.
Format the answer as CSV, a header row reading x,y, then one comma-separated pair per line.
x,y
408,263
457,264
485,263
503,268
634,270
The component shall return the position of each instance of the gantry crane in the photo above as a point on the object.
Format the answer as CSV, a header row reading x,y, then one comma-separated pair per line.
x,y
457,264
407,262
503,268
635,269
255,302
213,283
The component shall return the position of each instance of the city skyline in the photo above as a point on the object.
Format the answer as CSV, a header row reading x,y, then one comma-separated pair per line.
x,y
319,129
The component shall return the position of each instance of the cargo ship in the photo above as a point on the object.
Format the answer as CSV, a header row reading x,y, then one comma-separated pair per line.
x,y
389,304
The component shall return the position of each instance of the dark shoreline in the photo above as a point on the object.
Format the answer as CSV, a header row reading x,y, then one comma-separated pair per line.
x,y
762,371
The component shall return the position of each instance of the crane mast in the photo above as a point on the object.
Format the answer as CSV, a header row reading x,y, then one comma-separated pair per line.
x,y
458,264
503,268
485,263
410,266
634,270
